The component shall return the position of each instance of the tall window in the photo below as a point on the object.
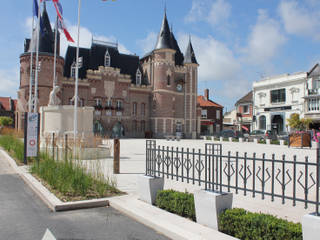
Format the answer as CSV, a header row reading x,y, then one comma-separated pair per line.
x,y
168,80
203,113
107,59
143,109
119,104
138,77
245,109
143,126
218,114
109,103
134,126
98,102
262,122
134,109
73,70
278,96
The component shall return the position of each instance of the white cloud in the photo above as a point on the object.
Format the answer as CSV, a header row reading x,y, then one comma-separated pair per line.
x,y
299,20
219,13
147,44
215,13
265,40
9,82
216,60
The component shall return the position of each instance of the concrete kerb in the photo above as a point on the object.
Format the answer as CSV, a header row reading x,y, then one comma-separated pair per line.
x,y
49,198
310,226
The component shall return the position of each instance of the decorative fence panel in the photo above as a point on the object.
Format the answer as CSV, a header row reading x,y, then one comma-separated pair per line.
x,y
286,179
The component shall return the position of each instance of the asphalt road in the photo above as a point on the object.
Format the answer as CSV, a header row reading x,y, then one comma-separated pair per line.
x,y
24,216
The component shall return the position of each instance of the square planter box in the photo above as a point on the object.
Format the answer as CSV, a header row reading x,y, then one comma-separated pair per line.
x,y
148,188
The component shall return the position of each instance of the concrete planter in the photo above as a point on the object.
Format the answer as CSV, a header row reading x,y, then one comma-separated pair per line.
x,y
282,142
221,139
209,205
268,141
148,188
230,139
241,140
310,226
255,140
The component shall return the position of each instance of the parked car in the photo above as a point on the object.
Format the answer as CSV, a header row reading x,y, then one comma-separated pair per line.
x,y
271,135
257,134
283,136
227,133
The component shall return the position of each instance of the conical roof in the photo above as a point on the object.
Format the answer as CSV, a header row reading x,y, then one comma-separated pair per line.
x,y
164,39
46,41
190,57
175,46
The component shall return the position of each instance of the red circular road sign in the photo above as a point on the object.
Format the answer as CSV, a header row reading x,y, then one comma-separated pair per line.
x,y
32,142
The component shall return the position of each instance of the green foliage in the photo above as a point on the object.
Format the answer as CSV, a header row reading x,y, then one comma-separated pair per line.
x,y
242,224
70,179
262,141
6,121
13,146
208,138
217,139
299,124
177,202
235,140
276,142
226,139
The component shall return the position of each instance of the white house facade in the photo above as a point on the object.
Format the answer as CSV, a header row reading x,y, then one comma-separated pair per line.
x,y
276,98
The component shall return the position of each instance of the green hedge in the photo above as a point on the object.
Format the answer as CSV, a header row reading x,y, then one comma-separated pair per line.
x,y
176,202
275,142
246,225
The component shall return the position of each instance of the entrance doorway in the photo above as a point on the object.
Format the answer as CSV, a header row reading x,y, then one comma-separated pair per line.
x,y
277,124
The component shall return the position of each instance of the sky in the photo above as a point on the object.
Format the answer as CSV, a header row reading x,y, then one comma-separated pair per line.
x,y
235,42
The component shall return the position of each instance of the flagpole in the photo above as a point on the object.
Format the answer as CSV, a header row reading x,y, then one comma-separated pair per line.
x,y
31,62
55,54
37,62
75,130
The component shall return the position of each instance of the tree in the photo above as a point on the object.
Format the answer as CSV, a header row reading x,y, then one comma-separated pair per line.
x,y
6,121
299,124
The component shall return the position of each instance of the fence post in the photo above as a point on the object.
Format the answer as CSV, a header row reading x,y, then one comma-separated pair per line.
x,y
317,179
53,145
116,156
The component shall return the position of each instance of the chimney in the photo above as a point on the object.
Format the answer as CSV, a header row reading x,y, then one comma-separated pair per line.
x,y
206,94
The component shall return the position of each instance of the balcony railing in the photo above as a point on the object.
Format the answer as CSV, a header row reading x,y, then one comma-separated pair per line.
x,y
313,104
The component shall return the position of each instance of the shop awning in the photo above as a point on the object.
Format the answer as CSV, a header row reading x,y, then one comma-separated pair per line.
x,y
245,128
206,123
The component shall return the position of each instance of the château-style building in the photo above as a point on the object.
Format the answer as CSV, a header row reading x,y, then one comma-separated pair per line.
x,y
155,95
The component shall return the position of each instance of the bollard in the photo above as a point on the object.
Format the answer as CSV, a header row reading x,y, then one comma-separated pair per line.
x,y
116,156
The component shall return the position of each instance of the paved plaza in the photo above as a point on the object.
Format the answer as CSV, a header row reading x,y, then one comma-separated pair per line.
x,y
132,163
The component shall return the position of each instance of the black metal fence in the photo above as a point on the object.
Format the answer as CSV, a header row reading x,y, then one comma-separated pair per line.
x,y
286,179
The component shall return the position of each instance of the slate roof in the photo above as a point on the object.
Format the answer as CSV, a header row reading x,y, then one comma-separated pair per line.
x,y
246,99
178,55
203,102
94,57
190,57
315,71
164,37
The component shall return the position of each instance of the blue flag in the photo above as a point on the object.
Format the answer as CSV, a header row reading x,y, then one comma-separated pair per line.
x,y
35,13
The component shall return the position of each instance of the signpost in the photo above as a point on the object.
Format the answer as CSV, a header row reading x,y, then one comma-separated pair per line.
x,y
31,136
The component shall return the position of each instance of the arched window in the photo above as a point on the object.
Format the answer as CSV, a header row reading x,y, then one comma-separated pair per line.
x,y
262,122
107,59
138,77
73,70
168,80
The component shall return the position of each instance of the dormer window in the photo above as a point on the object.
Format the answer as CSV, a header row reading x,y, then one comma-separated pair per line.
x,y
138,77
168,80
107,59
73,70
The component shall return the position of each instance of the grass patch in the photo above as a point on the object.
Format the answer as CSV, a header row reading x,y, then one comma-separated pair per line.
x,y
13,146
235,140
226,139
242,224
70,181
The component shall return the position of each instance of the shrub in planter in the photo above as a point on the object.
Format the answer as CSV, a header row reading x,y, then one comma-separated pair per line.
x,y
176,202
276,142
247,225
262,141
235,140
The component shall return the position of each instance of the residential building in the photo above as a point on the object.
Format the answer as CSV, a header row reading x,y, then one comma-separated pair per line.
x,y
155,94
276,98
230,120
211,115
244,113
8,107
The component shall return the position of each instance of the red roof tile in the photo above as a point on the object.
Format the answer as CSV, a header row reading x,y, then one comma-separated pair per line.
x,y
207,103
